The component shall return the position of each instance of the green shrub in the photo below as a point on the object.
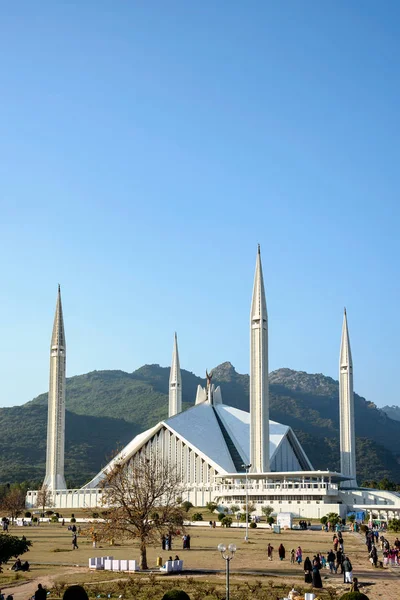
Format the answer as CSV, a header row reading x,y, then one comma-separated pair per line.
x,y
34,520
270,520
95,515
48,513
27,514
73,520
54,519
221,516
175,595
253,525
351,518
187,505
394,525
197,517
226,522
354,596
211,506
324,520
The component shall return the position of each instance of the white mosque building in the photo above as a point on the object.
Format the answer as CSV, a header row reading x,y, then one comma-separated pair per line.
x,y
222,452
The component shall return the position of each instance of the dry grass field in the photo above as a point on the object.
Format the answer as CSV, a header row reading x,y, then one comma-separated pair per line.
x,y
56,564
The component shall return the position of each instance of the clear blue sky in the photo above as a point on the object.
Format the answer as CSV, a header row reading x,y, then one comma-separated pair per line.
x,y
147,147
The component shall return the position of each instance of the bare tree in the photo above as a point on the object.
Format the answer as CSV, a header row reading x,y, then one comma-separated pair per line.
x,y
13,503
44,498
143,501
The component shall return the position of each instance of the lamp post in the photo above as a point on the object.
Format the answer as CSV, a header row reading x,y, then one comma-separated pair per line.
x,y
227,554
247,467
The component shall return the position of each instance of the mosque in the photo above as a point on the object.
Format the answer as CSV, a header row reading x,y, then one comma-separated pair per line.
x,y
223,453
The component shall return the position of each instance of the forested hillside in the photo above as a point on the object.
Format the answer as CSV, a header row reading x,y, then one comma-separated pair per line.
x,y
105,409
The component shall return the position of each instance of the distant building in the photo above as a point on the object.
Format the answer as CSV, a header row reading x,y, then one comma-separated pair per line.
x,y
221,452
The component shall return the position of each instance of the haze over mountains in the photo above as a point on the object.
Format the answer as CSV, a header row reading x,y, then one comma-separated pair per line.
x,y
106,409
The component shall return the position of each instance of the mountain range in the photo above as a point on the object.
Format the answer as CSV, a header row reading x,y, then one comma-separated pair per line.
x,y
106,409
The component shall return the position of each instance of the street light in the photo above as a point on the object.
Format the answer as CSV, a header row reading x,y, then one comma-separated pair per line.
x,y
227,554
246,539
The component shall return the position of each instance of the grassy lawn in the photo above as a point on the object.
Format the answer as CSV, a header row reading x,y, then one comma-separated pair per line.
x,y
52,554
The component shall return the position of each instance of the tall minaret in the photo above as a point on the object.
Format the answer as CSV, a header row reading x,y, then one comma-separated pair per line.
x,y
54,479
259,397
175,383
346,409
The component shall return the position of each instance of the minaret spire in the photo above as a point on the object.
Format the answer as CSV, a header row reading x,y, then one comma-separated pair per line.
x,y
54,479
175,383
346,409
259,395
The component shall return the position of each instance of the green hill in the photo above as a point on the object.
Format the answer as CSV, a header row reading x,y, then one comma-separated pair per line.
x,y
105,409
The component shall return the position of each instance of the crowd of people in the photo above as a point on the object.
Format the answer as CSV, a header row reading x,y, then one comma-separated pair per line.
x,y
390,552
335,560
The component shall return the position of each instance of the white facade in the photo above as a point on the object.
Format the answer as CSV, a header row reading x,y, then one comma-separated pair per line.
x,y
259,394
346,409
175,383
210,443
54,479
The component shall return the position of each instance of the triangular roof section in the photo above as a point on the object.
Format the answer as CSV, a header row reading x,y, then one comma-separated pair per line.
x,y
220,434
198,427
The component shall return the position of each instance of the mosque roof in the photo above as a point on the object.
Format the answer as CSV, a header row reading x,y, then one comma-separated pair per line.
x,y
220,433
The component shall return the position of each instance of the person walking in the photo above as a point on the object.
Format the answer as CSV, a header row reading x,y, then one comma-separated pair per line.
x,y
331,561
299,555
374,556
339,561
40,593
188,541
347,570
292,556
281,552
307,570
74,542
316,575
270,550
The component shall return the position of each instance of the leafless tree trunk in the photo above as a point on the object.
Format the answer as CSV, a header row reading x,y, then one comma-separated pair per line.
x,y
14,503
44,498
142,497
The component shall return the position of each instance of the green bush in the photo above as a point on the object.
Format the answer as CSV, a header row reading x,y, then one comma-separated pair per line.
x,y
253,525
197,517
394,525
54,519
34,520
28,514
226,522
187,505
95,515
175,595
73,520
270,520
351,518
221,516
48,513
354,596
324,520
211,506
